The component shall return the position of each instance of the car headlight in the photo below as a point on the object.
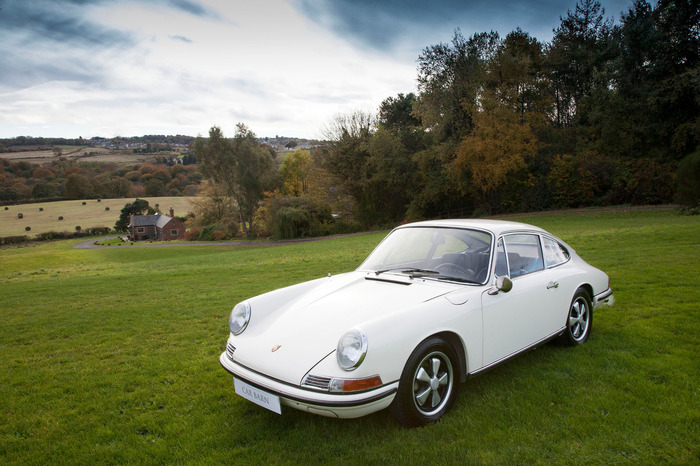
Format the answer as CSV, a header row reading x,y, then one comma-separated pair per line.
x,y
352,348
240,316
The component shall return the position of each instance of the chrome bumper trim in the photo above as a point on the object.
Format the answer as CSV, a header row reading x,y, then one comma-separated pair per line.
x,y
293,395
606,298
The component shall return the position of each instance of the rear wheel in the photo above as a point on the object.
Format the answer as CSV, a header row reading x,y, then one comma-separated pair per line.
x,y
579,320
427,388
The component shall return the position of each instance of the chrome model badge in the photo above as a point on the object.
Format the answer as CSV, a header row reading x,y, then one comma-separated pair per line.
x,y
276,347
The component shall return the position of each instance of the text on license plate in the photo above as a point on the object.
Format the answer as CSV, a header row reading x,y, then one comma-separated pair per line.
x,y
257,396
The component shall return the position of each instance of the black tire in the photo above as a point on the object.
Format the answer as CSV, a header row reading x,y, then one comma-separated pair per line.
x,y
579,319
428,384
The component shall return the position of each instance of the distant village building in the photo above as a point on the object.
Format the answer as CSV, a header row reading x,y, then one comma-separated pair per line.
x,y
157,227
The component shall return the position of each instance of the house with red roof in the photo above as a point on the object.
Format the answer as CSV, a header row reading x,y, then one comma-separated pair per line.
x,y
158,227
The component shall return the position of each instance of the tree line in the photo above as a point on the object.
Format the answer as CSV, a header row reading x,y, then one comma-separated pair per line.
x,y
605,114
602,115
63,179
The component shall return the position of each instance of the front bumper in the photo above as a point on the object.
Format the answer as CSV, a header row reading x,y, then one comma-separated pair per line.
x,y
605,298
345,405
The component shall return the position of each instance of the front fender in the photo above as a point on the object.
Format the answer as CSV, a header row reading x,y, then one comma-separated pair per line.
x,y
393,337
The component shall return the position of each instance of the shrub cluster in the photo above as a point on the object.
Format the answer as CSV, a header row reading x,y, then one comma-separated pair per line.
x,y
5,240
54,235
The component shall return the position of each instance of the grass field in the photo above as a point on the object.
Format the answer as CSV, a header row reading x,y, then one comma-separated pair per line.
x,y
111,356
77,153
42,217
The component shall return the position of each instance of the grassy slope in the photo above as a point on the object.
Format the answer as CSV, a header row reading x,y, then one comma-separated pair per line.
x,y
112,356
74,213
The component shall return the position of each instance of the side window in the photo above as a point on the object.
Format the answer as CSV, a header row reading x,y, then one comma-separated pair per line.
x,y
554,253
524,254
501,263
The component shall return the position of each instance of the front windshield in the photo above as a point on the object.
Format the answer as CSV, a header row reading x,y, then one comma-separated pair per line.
x,y
441,253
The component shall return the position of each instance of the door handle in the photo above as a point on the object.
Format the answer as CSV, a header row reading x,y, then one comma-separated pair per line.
x,y
552,285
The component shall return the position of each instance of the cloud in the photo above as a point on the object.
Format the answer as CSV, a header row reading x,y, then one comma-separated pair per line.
x,y
193,8
57,21
181,39
129,67
387,25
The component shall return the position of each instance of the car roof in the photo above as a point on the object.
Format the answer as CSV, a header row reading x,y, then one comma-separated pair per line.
x,y
497,227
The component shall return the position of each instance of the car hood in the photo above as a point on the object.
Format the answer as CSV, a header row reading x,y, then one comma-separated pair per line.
x,y
288,335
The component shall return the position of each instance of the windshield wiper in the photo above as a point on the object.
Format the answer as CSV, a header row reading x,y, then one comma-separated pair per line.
x,y
410,272
457,279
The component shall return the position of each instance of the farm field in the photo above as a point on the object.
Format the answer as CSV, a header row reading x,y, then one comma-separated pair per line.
x,y
78,154
111,356
43,216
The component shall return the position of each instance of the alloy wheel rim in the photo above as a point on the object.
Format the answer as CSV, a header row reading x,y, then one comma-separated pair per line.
x,y
578,319
432,383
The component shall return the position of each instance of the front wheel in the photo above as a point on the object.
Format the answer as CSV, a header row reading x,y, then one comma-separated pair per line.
x,y
579,320
427,388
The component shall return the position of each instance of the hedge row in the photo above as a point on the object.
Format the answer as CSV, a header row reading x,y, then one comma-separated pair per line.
x,y
54,235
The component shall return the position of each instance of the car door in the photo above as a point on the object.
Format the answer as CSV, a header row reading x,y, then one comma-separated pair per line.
x,y
529,312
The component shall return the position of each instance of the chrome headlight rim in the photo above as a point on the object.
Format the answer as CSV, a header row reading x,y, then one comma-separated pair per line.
x,y
351,350
239,318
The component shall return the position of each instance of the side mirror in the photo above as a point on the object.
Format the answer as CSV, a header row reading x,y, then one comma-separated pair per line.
x,y
503,284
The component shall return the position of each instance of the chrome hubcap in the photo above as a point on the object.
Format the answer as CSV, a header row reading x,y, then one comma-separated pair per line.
x,y
432,383
578,318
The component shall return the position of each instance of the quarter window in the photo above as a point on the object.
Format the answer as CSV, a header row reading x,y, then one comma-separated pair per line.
x,y
524,254
501,263
554,253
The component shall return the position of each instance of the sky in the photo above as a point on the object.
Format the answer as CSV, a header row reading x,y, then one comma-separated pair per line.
x,y
86,68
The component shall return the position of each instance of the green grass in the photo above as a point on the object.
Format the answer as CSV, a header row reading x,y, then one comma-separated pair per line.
x,y
111,356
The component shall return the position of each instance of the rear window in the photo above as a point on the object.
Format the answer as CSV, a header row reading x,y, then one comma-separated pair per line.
x,y
554,252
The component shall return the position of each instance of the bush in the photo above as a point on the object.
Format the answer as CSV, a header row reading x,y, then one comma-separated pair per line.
x,y
193,234
5,240
688,186
41,209
106,208
298,217
60,217
52,235
77,228
20,215
214,232
27,228
291,222
220,235
99,230
84,203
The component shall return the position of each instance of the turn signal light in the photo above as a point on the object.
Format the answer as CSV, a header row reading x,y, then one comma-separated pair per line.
x,y
355,385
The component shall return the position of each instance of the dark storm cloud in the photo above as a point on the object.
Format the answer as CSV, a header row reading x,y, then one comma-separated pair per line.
x,y
384,24
62,20
55,21
43,40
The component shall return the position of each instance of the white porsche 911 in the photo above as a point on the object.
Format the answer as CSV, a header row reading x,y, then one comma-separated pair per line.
x,y
433,304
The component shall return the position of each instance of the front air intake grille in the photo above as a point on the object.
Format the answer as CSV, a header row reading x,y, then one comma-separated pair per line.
x,y
319,383
230,350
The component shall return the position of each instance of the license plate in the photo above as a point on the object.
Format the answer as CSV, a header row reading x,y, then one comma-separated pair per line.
x,y
257,396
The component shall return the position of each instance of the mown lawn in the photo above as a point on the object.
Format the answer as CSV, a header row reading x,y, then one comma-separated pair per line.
x,y
111,356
